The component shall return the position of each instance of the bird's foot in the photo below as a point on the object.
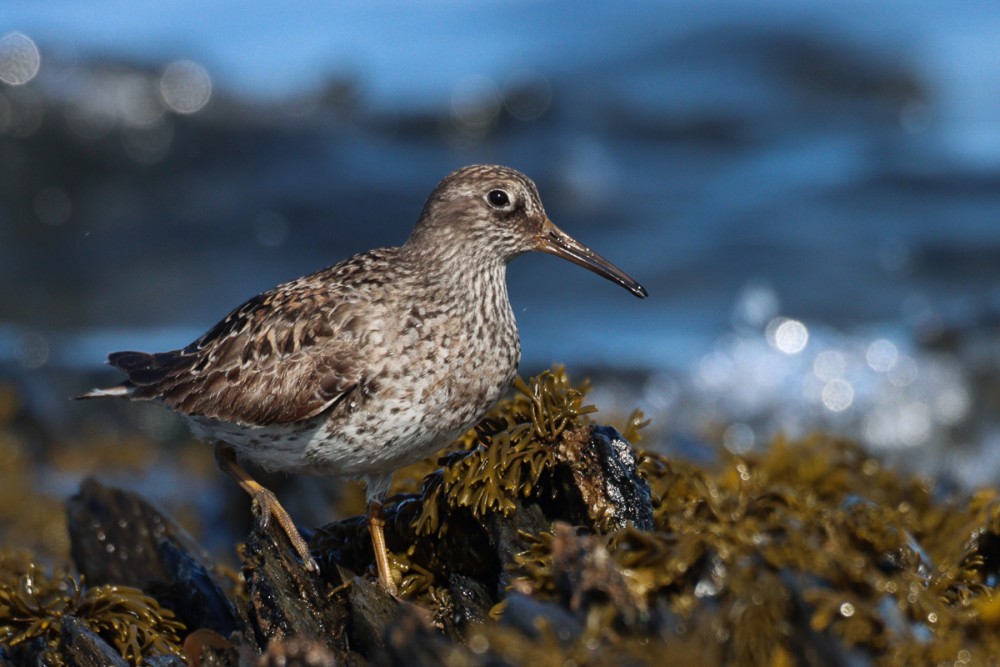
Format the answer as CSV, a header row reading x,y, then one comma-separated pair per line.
x,y
390,586
265,505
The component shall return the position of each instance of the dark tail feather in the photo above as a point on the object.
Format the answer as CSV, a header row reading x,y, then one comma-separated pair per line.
x,y
129,360
142,369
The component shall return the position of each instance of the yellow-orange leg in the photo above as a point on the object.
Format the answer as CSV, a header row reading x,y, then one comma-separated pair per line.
x,y
376,524
266,502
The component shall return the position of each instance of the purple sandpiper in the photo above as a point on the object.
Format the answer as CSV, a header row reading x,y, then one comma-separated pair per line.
x,y
370,364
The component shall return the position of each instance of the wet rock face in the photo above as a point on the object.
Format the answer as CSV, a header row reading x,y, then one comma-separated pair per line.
x,y
85,648
604,468
627,491
285,601
119,538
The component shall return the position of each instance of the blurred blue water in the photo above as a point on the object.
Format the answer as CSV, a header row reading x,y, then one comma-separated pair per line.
x,y
834,163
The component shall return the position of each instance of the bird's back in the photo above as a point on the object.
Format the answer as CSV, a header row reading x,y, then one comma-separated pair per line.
x,y
283,356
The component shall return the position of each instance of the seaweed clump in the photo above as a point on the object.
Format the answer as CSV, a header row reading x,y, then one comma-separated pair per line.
x,y
807,549
35,609
503,459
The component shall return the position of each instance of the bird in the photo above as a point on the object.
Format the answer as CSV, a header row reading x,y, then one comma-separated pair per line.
x,y
370,364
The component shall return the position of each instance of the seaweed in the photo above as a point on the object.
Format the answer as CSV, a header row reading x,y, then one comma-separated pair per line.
x,y
34,603
815,529
505,456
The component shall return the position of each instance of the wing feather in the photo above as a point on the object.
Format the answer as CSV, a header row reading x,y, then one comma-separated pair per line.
x,y
281,357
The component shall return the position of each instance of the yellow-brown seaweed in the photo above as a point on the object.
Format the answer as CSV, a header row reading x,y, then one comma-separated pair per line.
x,y
33,604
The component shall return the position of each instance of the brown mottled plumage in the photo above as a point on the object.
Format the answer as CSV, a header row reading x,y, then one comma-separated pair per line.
x,y
373,363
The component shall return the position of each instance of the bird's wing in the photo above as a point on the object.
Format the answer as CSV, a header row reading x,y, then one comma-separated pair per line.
x,y
283,356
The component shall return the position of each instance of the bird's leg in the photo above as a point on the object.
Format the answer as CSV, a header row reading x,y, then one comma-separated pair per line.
x,y
266,502
376,524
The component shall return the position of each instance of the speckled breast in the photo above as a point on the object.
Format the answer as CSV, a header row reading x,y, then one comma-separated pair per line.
x,y
419,400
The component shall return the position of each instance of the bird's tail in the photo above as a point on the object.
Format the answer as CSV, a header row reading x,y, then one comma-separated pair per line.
x,y
142,369
118,391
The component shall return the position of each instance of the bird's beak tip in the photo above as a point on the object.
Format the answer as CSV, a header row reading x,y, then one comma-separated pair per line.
x,y
554,241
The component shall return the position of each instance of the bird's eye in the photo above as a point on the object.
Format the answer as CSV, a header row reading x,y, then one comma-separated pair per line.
x,y
498,199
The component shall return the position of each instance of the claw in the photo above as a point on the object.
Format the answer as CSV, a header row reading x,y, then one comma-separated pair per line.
x,y
260,505
265,504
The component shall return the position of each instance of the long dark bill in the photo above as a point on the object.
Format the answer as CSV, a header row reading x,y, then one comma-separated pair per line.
x,y
557,242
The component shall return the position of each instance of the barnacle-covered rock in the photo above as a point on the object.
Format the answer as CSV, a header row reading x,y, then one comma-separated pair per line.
x,y
602,467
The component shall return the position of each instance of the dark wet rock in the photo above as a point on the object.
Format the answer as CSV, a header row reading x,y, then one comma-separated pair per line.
x,y
509,535
193,592
117,537
82,647
372,609
34,652
460,607
411,641
284,600
532,617
471,603
626,492
342,545
343,548
173,661
597,481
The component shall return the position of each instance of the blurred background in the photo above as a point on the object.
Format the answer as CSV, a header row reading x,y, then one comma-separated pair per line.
x,y
810,191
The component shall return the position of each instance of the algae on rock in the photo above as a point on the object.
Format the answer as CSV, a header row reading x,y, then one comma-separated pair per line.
x,y
33,605
542,538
